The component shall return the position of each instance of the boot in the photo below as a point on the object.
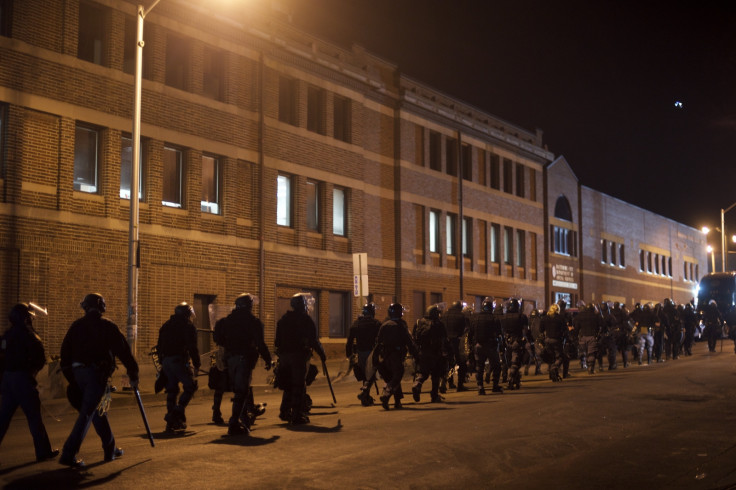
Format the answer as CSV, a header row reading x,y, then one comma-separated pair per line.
x,y
398,405
384,402
461,387
217,418
416,391
481,390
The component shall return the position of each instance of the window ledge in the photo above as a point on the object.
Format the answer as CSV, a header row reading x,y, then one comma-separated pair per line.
x,y
88,196
170,210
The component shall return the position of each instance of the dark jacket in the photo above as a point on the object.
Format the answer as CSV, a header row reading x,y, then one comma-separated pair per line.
x,y
485,329
23,350
456,323
394,337
296,333
588,323
93,340
430,337
362,335
553,327
178,337
241,333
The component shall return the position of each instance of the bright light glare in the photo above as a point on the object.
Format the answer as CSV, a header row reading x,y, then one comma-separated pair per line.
x,y
678,104
733,238
709,249
705,230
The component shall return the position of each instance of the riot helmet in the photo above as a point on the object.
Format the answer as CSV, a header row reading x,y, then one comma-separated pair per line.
x,y
93,302
513,305
369,310
457,305
395,311
434,312
186,310
301,302
246,300
487,304
21,314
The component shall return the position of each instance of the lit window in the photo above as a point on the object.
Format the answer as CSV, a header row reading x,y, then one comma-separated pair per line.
x,y
434,231
172,185
467,234
508,239
495,243
450,235
85,159
126,164
283,200
339,213
210,185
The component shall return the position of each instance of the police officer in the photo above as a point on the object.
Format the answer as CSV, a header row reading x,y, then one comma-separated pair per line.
x,y
607,342
644,320
361,340
588,324
430,336
485,335
88,354
713,322
674,330
534,345
621,331
24,358
690,322
391,346
660,326
555,332
514,325
296,338
456,324
177,349
241,334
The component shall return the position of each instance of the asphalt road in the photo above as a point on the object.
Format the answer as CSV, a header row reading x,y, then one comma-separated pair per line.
x,y
669,426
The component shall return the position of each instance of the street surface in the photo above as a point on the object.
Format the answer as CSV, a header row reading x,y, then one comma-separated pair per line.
x,y
664,426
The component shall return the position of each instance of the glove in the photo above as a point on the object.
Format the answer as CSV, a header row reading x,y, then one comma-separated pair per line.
x,y
133,380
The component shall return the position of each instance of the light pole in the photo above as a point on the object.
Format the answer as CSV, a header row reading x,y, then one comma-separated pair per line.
x,y
133,243
724,250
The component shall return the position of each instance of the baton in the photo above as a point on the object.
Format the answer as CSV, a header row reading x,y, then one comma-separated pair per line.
x,y
143,414
329,383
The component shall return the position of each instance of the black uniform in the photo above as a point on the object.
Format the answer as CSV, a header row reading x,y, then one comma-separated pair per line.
x,y
713,324
88,355
296,338
588,324
555,333
431,338
607,342
514,325
241,334
456,324
690,322
391,346
485,336
622,331
24,357
361,340
674,329
177,349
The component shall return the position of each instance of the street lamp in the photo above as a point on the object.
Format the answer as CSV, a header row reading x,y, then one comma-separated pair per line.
x,y
724,250
133,243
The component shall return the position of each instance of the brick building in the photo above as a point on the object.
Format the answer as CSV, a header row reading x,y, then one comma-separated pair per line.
x,y
269,158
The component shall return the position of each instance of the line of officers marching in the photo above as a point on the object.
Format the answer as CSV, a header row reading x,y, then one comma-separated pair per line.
x,y
459,341
442,343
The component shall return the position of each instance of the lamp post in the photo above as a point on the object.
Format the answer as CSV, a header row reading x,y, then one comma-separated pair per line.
x,y
133,243
724,249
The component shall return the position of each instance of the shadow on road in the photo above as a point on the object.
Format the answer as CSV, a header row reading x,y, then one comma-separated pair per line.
x,y
10,469
317,429
170,435
245,440
68,478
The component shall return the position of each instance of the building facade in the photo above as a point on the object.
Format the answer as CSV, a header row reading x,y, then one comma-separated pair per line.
x,y
268,159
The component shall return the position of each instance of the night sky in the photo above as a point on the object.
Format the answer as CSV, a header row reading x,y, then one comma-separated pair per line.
x,y
602,79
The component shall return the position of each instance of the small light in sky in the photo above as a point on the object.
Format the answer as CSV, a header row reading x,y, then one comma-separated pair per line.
x,y
678,105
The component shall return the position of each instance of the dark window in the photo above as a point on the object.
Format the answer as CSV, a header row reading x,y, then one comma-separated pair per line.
x,y
287,100
520,180
508,176
129,45
172,178
214,74
604,251
6,17
467,162
482,170
316,110
312,205
3,130
621,256
91,33
86,157
532,184
495,172
520,248
435,151
562,209
508,243
177,62
451,157
342,119
339,314
467,234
